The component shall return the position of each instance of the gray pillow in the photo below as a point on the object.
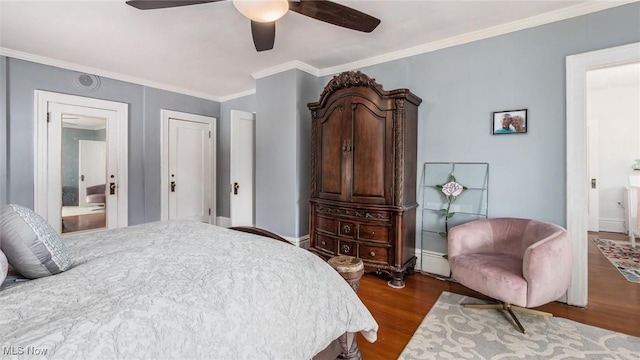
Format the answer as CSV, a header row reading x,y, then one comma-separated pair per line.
x,y
31,245
4,267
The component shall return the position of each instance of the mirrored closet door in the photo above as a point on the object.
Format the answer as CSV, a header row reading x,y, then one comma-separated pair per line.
x,y
82,186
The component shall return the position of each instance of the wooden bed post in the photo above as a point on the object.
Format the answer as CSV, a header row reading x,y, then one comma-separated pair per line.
x,y
351,269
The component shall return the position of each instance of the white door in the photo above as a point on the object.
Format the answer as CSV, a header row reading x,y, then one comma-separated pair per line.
x,y
92,156
242,167
54,112
188,175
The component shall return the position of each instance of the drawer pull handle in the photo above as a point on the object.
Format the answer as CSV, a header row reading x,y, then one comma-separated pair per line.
x,y
323,243
373,233
346,229
345,249
373,253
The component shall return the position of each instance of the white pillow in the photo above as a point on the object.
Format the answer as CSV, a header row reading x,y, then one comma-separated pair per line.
x,y
31,245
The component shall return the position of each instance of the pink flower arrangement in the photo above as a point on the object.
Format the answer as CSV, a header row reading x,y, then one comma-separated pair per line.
x,y
451,191
452,188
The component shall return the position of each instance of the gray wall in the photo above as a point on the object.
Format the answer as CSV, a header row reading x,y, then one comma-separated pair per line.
x,y
308,89
3,131
24,77
276,153
283,143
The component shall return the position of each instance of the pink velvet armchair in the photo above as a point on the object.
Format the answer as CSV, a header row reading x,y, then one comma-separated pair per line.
x,y
521,263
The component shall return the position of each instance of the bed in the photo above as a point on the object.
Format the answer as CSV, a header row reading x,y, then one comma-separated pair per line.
x,y
182,290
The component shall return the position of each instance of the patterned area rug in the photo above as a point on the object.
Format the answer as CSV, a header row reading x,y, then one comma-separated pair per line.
x,y
624,257
450,331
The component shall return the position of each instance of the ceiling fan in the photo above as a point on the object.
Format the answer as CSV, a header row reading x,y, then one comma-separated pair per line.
x,y
264,13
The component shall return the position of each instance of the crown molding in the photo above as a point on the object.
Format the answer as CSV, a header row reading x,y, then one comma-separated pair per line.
x,y
237,95
104,73
296,64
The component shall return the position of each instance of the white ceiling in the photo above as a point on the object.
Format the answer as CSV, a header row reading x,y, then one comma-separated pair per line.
x,y
206,50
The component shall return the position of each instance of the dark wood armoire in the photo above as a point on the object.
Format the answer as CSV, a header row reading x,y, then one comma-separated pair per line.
x,y
363,174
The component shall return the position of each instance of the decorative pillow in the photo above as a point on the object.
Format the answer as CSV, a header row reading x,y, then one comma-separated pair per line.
x,y
4,267
30,244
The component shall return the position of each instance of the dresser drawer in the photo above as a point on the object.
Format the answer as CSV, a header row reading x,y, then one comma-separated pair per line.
x,y
326,243
326,225
373,232
353,213
347,248
347,229
374,253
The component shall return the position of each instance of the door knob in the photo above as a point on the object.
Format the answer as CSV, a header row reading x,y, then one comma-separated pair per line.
x,y
173,186
236,186
112,188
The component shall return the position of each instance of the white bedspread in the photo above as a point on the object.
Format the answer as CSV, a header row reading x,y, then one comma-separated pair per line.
x,y
181,290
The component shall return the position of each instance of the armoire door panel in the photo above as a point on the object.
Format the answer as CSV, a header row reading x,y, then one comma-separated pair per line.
x,y
330,161
368,160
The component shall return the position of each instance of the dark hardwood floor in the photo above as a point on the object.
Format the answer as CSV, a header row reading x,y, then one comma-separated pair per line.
x,y
613,303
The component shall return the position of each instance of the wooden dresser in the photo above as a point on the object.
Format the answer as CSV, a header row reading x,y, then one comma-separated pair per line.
x,y
363,174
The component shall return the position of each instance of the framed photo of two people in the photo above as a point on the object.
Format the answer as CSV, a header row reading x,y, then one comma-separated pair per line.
x,y
509,122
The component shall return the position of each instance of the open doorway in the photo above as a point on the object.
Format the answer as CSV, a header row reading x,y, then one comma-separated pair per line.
x,y
577,179
613,127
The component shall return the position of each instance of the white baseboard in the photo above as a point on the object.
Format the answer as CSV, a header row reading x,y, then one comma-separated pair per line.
x,y
302,242
223,221
613,225
433,263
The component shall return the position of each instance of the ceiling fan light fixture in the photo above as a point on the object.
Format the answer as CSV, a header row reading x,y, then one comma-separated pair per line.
x,y
262,10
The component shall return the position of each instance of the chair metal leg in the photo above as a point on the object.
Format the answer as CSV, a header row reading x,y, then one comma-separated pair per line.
x,y
515,319
531,311
510,308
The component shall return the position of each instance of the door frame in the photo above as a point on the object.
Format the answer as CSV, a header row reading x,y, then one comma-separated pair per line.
x,y
166,116
235,116
576,151
41,145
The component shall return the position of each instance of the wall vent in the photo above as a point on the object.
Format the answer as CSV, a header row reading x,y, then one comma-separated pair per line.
x,y
86,82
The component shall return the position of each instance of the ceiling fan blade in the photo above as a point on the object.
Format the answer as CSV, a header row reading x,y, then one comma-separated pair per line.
x,y
161,4
264,35
335,14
